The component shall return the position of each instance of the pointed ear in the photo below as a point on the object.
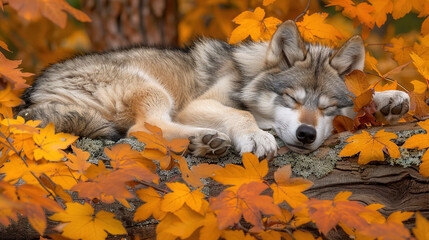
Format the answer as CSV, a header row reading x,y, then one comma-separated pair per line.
x,y
286,46
349,57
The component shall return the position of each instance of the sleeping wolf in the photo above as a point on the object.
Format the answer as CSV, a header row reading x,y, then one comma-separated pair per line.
x,y
214,94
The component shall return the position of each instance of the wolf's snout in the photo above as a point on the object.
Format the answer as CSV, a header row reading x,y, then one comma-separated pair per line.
x,y
306,134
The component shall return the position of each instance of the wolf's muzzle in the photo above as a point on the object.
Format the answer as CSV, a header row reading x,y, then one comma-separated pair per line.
x,y
306,134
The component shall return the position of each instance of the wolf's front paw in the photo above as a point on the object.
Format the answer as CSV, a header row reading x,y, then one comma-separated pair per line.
x,y
209,143
391,105
261,143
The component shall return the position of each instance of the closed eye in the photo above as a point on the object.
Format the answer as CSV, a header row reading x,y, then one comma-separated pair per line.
x,y
289,96
328,108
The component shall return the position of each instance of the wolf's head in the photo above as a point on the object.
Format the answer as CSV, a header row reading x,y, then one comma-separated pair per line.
x,y
299,88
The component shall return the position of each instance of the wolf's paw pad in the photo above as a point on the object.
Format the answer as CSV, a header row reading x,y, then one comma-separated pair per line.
x,y
391,105
261,143
214,144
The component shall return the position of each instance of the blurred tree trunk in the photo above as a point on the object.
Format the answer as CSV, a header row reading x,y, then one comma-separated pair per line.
x,y
119,23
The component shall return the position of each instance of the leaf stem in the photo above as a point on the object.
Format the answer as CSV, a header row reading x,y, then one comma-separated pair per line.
x,y
389,80
304,12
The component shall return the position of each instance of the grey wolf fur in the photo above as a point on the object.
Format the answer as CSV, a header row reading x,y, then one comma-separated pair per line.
x,y
214,94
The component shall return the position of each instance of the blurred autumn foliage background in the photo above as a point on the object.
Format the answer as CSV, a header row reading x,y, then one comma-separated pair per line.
x,y
118,23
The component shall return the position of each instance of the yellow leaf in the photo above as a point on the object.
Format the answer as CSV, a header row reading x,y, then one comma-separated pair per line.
x,y
314,29
210,229
289,189
419,86
382,8
425,26
49,143
301,235
399,217
236,235
422,225
371,147
181,194
151,207
189,222
421,141
401,49
82,224
371,63
4,45
270,235
78,162
254,25
253,171
400,8
421,65
10,72
373,216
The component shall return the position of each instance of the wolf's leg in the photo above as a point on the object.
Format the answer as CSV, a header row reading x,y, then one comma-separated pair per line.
x,y
391,105
154,105
239,125
74,119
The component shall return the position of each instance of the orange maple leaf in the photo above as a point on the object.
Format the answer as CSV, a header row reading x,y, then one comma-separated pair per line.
x,y
81,223
358,84
8,99
418,106
422,226
425,27
123,157
421,65
400,8
151,207
382,8
371,63
419,87
16,134
328,213
421,141
236,234
360,13
56,188
48,143
112,183
78,162
289,189
342,123
371,148
54,10
3,44
33,201
181,194
247,202
253,24
160,149
401,49
253,171
314,29
185,221
193,176
10,72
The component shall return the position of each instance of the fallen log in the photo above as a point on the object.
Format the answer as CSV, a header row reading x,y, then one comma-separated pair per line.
x,y
389,183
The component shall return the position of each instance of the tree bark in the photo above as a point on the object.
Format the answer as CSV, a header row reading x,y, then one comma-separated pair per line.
x,y
122,23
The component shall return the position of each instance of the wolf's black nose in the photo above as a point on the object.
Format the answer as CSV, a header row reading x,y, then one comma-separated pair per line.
x,y
306,134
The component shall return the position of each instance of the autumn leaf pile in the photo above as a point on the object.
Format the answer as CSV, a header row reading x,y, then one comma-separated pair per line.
x,y
43,174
